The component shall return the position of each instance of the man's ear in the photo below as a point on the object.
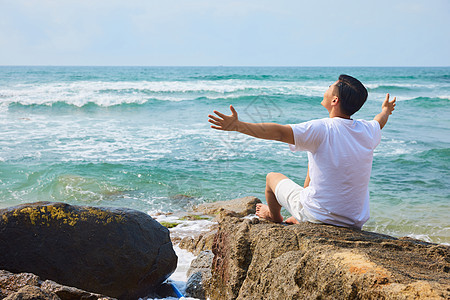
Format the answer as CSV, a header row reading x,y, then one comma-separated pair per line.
x,y
335,101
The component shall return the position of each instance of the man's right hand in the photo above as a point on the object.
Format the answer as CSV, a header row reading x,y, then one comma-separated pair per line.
x,y
267,131
224,122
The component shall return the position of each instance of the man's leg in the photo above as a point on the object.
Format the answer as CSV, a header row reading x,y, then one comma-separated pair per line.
x,y
292,220
271,211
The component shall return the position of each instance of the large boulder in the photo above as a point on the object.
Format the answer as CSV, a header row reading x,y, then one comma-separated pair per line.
x,y
121,253
263,260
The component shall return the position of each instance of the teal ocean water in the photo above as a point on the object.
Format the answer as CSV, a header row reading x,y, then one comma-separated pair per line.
x,y
138,137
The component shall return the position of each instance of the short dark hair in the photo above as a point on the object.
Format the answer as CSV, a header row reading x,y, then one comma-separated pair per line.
x,y
352,94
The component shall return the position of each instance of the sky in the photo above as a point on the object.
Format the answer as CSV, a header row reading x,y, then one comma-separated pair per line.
x,y
227,33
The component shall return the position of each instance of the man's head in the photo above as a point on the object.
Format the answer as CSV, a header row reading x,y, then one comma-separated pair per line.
x,y
349,92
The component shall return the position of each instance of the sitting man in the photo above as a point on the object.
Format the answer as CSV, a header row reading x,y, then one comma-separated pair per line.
x,y
340,153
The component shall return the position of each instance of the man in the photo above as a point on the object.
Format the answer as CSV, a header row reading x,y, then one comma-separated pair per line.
x,y
340,152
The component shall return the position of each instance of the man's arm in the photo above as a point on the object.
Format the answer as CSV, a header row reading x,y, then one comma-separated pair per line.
x,y
386,110
267,131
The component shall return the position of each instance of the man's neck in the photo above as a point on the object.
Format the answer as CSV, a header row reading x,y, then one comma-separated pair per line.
x,y
337,114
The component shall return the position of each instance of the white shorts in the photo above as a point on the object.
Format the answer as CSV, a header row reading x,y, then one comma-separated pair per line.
x,y
289,195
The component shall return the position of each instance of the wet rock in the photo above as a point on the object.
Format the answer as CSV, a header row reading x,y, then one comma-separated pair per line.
x,y
198,274
194,286
117,252
310,261
202,263
165,290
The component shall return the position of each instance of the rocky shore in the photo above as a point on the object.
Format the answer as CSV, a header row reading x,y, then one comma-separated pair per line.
x,y
251,258
59,251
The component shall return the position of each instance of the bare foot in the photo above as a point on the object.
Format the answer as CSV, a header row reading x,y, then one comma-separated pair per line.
x,y
292,220
263,211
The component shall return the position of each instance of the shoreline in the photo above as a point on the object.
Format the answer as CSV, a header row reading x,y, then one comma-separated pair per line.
x,y
184,228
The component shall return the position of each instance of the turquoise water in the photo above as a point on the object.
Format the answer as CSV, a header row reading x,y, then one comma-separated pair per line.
x,y
138,137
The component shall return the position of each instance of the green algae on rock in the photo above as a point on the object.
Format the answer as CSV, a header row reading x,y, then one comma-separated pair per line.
x,y
169,224
56,213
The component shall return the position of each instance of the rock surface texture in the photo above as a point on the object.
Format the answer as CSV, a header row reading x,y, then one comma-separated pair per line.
x,y
240,207
198,273
121,253
30,286
261,260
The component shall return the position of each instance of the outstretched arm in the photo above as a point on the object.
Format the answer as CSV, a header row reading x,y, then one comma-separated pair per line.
x,y
267,131
386,110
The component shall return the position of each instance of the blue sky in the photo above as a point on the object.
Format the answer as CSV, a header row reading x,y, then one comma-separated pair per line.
x,y
229,33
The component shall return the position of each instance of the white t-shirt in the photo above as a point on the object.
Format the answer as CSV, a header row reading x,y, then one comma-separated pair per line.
x,y
340,153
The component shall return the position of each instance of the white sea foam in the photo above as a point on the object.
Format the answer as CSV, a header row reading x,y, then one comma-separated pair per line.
x,y
106,94
419,95
422,237
3,108
184,229
400,85
126,92
179,278
394,147
184,262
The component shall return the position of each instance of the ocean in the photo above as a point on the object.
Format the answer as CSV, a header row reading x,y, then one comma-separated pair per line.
x,y
138,137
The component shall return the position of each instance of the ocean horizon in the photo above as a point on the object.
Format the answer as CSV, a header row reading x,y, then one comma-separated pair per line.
x,y
138,137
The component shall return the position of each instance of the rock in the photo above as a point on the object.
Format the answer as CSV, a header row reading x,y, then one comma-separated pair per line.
x,y
311,261
118,252
30,292
69,293
11,284
198,243
165,290
194,286
202,263
241,206
198,275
